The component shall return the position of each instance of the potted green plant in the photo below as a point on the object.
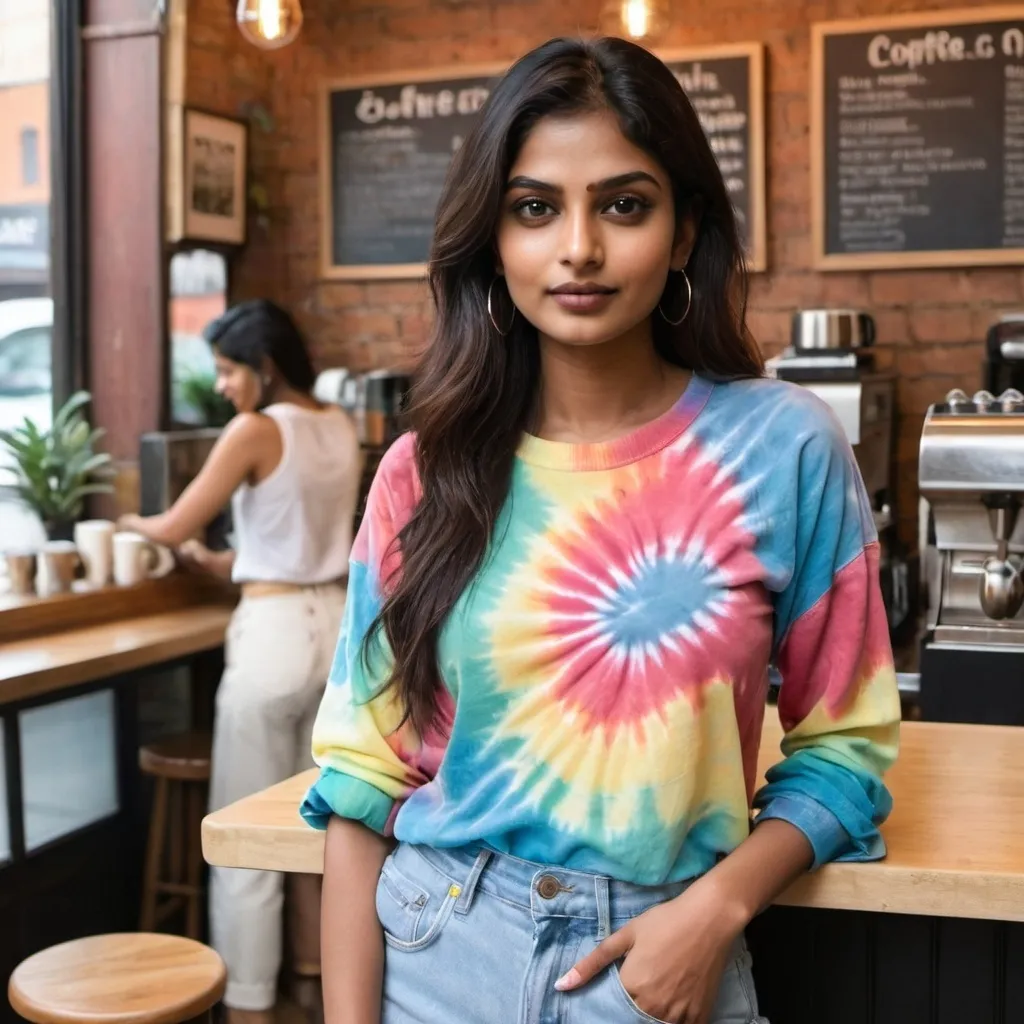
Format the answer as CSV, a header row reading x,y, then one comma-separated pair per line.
x,y
56,469
198,399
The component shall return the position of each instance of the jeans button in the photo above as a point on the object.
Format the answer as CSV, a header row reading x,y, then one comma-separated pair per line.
x,y
548,886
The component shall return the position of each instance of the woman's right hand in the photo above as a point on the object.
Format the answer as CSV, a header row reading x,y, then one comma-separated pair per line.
x,y
196,552
196,555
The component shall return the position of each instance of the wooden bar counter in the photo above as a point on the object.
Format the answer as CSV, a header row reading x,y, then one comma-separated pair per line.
x,y
59,643
955,837
38,665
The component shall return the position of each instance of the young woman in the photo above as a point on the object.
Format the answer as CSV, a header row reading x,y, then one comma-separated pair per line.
x,y
568,589
292,470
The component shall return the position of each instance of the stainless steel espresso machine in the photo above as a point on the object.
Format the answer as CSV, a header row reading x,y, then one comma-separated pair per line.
x,y
971,471
831,353
376,401
168,462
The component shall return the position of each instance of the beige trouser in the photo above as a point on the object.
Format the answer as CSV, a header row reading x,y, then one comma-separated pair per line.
x,y
278,654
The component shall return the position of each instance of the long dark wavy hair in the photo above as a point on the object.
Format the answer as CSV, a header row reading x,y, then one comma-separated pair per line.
x,y
475,389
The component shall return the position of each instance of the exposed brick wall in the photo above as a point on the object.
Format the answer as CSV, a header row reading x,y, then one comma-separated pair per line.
x,y
930,323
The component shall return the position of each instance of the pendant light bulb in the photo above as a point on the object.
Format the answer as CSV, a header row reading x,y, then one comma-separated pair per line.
x,y
643,21
269,24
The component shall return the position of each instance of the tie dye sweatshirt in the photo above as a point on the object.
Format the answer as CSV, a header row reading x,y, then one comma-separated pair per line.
x,y
605,675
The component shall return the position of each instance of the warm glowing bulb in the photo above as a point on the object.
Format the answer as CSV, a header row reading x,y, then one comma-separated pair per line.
x,y
635,17
269,24
643,20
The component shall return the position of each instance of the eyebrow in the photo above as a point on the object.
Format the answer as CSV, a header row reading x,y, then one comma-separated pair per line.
x,y
619,181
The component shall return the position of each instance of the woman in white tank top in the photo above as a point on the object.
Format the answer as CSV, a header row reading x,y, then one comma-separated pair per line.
x,y
291,468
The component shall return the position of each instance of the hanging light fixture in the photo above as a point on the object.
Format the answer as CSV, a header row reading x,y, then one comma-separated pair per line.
x,y
644,21
269,24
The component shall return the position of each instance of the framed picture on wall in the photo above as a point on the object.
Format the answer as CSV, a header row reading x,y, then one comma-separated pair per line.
x,y
208,199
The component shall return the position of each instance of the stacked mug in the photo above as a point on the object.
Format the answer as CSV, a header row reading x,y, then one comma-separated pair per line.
x,y
97,556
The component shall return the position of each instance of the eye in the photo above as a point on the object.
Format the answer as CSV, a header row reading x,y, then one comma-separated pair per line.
x,y
532,209
628,206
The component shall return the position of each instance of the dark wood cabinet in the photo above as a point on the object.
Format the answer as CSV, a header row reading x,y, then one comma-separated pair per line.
x,y
846,967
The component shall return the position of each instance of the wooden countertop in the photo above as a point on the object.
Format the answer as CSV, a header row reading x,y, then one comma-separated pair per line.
x,y
41,664
955,837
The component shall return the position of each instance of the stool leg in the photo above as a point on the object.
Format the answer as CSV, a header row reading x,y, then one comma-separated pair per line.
x,y
154,856
179,810
193,799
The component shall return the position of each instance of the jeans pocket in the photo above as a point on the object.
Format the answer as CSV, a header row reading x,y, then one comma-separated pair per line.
x,y
736,1002
627,999
412,914
739,973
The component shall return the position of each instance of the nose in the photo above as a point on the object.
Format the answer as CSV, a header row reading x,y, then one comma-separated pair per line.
x,y
219,386
582,245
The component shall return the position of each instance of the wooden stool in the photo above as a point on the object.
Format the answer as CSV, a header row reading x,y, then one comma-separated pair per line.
x,y
118,979
181,767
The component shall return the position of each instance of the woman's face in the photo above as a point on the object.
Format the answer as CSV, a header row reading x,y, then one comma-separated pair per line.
x,y
238,383
588,232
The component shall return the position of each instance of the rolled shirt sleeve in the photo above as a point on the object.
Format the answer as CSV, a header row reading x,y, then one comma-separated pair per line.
x,y
838,702
369,760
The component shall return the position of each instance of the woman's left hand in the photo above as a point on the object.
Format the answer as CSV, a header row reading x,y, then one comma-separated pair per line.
x,y
131,522
675,955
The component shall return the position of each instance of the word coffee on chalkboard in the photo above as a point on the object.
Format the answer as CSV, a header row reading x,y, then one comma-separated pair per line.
x,y
387,143
917,140
725,84
385,151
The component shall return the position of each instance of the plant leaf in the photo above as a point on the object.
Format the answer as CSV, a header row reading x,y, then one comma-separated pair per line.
x,y
69,408
75,496
56,469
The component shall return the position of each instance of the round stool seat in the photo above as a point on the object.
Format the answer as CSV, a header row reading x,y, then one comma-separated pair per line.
x,y
185,757
132,978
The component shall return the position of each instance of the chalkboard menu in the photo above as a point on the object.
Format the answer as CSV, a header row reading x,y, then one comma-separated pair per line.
x,y
387,143
725,84
917,140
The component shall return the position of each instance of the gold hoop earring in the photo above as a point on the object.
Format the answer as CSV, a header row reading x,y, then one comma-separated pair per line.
x,y
490,311
689,302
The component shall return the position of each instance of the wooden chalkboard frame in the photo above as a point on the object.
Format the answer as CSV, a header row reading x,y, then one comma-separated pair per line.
x,y
938,258
757,256
330,271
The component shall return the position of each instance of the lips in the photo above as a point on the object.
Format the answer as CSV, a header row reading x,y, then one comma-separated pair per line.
x,y
585,297
585,288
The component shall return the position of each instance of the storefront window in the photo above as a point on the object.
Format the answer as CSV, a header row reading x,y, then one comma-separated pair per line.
x,y
26,310
198,294
30,156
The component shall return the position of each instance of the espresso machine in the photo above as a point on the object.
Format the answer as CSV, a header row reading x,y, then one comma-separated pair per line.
x,y
1004,355
169,460
831,353
971,472
376,401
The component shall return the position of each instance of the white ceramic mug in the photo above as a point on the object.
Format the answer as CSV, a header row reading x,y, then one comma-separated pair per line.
x,y
137,559
94,539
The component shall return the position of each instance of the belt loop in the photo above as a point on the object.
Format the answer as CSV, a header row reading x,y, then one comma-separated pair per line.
x,y
469,888
603,911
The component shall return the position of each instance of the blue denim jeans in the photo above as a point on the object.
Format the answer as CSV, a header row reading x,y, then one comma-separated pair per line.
x,y
475,937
